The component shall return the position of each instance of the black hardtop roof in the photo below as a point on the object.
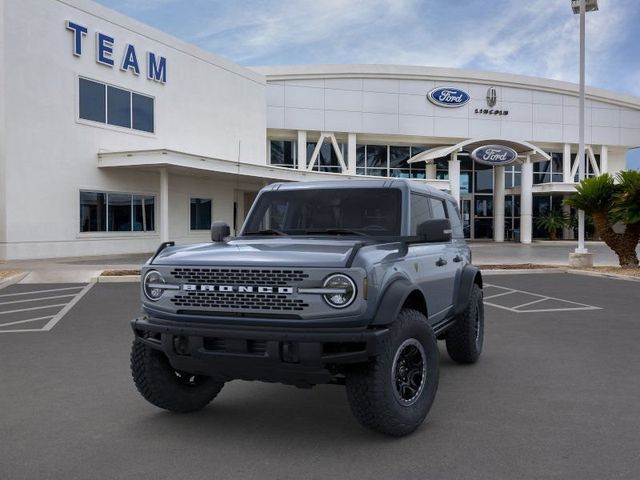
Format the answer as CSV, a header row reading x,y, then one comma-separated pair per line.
x,y
401,183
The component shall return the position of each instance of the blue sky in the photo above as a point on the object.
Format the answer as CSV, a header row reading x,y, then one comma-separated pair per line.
x,y
530,37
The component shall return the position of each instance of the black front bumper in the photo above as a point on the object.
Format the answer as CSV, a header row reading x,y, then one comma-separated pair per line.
x,y
300,356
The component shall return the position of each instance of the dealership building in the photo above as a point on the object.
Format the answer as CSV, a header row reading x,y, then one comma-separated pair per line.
x,y
115,136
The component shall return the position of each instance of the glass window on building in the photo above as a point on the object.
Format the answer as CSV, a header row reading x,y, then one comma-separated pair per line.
x,y
144,213
483,178
327,160
111,105
398,166
442,168
142,113
376,163
119,212
116,212
512,175
201,213
283,153
92,98
118,107
93,212
549,171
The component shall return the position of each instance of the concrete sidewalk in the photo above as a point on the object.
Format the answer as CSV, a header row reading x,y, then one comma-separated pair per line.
x,y
83,269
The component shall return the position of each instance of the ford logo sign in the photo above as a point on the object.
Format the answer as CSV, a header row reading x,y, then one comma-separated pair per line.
x,y
448,97
494,155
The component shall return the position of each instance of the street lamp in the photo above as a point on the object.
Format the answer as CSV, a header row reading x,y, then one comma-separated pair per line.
x,y
580,7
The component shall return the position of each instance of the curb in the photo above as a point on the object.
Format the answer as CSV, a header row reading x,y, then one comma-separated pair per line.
x,y
522,271
12,279
117,279
613,276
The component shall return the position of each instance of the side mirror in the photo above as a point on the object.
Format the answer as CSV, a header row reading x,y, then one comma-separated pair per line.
x,y
434,230
219,231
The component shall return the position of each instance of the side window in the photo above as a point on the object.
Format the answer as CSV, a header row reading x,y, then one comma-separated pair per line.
x,y
454,217
420,211
437,207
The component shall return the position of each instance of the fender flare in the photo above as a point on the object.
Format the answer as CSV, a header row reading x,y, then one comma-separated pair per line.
x,y
470,275
392,300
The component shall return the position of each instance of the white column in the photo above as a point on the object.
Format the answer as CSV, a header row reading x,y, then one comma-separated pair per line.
x,y
430,171
454,177
351,153
604,159
302,150
164,205
526,202
566,164
498,204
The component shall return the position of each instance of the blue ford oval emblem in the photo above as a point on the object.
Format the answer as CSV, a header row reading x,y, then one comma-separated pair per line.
x,y
448,97
494,155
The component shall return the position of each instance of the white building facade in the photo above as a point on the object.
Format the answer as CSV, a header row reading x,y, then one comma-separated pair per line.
x,y
115,136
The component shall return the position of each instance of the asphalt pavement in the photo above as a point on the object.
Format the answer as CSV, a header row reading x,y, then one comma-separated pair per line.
x,y
555,395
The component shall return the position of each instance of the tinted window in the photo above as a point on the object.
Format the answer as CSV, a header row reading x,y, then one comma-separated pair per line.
x,y
437,207
420,211
283,153
92,101
118,107
200,213
93,212
142,112
119,212
143,213
454,218
373,211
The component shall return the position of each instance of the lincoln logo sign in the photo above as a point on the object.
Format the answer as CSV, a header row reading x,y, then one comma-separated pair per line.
x,y
237,289
448,97
494,155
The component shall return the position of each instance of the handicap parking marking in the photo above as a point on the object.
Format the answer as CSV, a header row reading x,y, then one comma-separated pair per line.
x,y
504,297
26,308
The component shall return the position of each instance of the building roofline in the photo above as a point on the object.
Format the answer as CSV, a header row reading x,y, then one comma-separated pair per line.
x,y
412,72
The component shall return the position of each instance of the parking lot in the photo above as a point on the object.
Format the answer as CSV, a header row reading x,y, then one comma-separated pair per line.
x,y
555,395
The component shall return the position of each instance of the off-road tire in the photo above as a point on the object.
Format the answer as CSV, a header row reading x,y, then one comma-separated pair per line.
x,y
164,387
465,337
371,388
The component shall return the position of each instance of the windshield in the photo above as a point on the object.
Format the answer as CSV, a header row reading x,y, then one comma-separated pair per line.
x,y
357,211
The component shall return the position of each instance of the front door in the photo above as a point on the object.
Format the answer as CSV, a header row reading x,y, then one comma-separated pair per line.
x,y
466,203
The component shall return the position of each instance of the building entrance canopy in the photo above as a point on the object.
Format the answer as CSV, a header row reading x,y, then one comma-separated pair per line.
x,y
523,149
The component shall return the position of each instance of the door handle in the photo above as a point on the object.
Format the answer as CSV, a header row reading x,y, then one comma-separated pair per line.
x,y
457,258
441,262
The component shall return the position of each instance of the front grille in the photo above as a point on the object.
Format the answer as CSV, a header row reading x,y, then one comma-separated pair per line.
x,y
229,276
238,301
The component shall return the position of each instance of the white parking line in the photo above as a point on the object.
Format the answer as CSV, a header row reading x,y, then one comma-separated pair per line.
x,y
38,299
540,298
41,291
53,319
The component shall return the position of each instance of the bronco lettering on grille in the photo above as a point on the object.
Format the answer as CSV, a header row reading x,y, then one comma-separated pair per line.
x,y
236,288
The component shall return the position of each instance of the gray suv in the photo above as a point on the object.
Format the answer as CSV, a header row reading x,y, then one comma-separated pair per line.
x,y
345,282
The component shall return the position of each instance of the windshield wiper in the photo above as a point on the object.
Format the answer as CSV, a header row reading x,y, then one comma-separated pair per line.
x,y
337,231
268,231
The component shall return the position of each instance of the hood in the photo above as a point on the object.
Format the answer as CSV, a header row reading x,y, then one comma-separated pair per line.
x,y
286,252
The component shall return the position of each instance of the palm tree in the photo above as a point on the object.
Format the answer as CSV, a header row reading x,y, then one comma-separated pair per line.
x,y
552,221
610,202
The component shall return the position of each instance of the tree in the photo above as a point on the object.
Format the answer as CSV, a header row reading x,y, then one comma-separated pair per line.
x,y
552,221
610,202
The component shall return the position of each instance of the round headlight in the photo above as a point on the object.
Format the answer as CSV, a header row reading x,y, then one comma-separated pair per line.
x,y
344,291
152,285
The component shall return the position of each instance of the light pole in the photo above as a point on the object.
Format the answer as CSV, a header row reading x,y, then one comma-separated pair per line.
x,y
580,7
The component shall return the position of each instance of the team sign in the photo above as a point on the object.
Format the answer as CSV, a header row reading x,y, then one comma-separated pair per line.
x,y
156,65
